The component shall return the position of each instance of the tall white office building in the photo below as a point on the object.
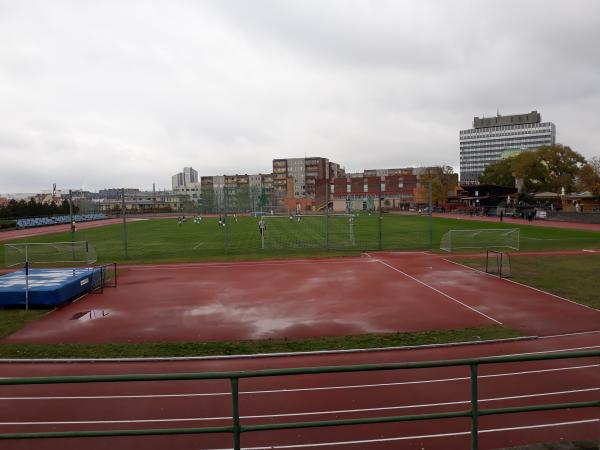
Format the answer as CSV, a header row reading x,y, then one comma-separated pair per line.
x,y
188,177
490,137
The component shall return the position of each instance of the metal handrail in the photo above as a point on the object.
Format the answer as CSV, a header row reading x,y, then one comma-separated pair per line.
x,y
237,428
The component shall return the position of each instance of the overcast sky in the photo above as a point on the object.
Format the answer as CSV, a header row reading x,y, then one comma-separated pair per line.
x,y
100,94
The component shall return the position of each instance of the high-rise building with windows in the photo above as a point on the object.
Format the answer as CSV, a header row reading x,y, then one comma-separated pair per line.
x,y
490,137
304,172
188,177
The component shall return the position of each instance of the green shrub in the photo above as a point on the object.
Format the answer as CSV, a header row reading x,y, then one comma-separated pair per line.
x,y
4,224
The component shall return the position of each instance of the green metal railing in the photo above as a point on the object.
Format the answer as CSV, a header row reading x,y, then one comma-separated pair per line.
x,y
237,428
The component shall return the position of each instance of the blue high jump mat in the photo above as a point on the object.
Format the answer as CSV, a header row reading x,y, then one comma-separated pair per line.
x,y
47,287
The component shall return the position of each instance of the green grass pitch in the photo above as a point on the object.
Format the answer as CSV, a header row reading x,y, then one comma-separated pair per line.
x,y
164,240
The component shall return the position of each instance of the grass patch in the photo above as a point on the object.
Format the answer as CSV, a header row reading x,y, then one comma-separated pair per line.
x,y
574,277
181,349
12,320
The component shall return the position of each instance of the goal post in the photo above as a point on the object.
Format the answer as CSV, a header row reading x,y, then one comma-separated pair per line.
x,y
508,238
498,263
325,231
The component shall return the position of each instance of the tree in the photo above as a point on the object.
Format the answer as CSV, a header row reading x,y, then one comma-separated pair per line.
x,y
588,178
563,165
499,173
549,168
443,180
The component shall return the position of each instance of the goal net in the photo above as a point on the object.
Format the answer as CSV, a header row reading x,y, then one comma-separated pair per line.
x,y
498,263
482,238
334,231
49,254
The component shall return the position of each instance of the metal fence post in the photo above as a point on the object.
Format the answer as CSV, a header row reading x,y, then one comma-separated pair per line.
x,y
379,219
71,225
430,214
124,222
474,408
327,214
225,226
236,413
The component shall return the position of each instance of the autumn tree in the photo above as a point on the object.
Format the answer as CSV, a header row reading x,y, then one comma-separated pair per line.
x,y
549,168
443,182
588,178
499,173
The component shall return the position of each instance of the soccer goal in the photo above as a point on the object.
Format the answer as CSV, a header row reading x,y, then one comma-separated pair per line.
x,y
498,263
481,238
334,231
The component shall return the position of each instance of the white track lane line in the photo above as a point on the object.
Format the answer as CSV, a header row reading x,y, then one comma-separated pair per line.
x,y
291,390
526,286
406,438
310,413
568,334
440,292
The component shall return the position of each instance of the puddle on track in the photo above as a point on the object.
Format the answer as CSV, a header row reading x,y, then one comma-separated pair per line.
x,y
84,316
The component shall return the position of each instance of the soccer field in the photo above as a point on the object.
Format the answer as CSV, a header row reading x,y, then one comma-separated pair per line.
x,y
164,240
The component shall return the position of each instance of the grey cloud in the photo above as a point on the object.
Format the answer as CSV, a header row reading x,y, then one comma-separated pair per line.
x,y
127,93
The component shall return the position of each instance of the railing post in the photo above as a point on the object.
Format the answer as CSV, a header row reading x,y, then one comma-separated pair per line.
x,y
236,413
474,408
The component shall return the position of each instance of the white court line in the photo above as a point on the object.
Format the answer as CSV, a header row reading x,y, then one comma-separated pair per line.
x,y
440,292
291,390
524,285
425,436
309,413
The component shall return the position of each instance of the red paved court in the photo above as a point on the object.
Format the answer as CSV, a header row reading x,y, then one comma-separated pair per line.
x,y
384,292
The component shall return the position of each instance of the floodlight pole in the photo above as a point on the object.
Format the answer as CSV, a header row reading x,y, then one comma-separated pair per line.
x,y
124,222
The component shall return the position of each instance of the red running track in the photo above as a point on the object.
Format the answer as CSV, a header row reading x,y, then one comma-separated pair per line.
x,y
385,292
455,294
315,397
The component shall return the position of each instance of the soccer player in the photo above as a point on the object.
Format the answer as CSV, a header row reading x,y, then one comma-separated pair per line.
x,y
262,226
